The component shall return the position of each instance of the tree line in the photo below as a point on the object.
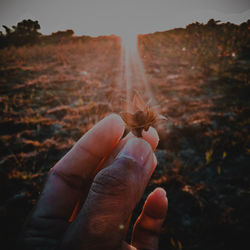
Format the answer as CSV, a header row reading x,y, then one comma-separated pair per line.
x,y
27,32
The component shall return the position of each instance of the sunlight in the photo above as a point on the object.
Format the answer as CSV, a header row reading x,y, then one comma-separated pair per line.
x,y
129,41
134,75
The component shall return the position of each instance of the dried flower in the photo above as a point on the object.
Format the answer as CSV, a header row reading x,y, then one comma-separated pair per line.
x,y
140,116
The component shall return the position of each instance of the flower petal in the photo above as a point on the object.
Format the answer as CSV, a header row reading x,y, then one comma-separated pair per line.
x,y
151,116
128,118
162,117
138,102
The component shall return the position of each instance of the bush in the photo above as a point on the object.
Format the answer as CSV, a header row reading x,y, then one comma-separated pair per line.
x,y
25,32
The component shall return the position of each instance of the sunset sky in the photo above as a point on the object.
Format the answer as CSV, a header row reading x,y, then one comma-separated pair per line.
x,y
105,17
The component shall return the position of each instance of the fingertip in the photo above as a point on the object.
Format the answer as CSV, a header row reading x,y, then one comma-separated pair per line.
x,y
156,204
137,149
115,122
151,136
159,191
115,118
110,128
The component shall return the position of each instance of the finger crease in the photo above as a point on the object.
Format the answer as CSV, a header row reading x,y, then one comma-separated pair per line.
x,y
73,181
98,157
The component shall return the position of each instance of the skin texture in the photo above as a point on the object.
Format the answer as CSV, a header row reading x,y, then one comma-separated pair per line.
x,y
92,191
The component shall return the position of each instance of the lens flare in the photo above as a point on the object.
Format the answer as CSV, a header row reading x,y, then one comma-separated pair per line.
x,y
134,77
129,41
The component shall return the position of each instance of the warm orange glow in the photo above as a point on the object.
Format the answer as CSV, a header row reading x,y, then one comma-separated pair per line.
x,y
134,72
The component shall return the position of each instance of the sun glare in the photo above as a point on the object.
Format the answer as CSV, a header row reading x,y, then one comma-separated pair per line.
x,y
132,67
129,41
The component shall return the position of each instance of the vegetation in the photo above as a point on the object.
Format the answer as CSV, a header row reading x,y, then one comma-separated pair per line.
x,y
25,32
50,94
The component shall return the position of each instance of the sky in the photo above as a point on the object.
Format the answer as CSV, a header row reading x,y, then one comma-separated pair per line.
x,y
106,17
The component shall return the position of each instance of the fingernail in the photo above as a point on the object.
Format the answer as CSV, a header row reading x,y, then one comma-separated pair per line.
x,y
161,191
137,149
151,136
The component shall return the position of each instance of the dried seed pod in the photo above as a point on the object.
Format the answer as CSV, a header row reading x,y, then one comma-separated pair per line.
x,y
140,116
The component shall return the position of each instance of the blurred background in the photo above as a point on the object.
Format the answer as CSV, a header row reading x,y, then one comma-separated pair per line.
x,y
64,65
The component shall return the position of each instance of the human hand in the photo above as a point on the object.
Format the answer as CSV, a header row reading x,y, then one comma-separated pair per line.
x,y
92,191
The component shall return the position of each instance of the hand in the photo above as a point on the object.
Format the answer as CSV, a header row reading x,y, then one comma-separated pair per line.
x,y
92,191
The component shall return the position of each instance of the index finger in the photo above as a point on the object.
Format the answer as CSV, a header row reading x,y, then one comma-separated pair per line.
x,y
73,172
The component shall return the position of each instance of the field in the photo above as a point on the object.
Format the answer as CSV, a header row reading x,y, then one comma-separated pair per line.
x,y
51,94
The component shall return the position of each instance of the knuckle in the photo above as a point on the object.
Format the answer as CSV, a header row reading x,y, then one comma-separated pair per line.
x,y
108,184
116,179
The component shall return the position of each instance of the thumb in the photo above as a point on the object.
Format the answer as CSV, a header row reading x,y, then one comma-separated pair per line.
x,y
113,196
